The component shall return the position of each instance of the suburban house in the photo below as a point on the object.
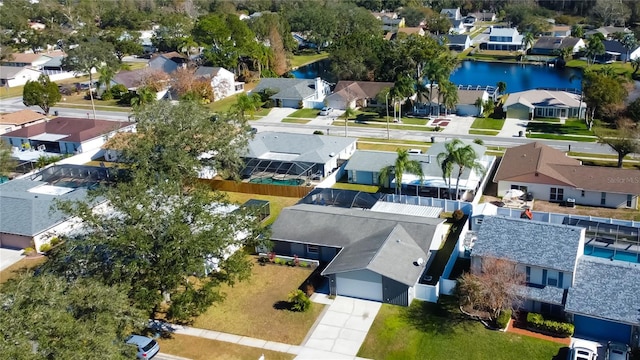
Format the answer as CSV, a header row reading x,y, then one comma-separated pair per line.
x,y
583,270
390,20
457,42
465,106
616,51
457,27
223,81
507,39
392,35
300,155
558,31
549,174
451,14
11,76
295,93
65,135
484,16
549,45
359,247
168,62
529,104
356,94
545,253
26,218
35,60
364,168
19,119
608,31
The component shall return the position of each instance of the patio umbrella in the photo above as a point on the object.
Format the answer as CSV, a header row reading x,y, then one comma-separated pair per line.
x,y
513,194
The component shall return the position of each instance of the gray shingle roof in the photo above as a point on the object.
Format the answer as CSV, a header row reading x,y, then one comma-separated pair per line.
x,y
29,214
309,148
550,246
547,294
606,289
456,39
297,89
370,240
207,71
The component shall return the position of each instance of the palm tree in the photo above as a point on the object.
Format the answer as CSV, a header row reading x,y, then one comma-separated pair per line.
x,y
480,105
594,48
449,93
144,96
488,107
402,165
462,156
527,40
106,74
629,41
501,86
635,63
247,103
348,112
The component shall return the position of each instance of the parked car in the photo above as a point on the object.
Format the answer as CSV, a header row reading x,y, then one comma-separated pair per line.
x,y
583,351
147,347
326,111
617,351
415,151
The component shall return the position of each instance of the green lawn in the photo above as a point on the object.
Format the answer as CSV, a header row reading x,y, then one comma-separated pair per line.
x,y
276,203
570,127
294,121
414,121
620,68
440,332
382,126
305,113
356,187
483,132
395,141
196,348
487,124
307,58
562,137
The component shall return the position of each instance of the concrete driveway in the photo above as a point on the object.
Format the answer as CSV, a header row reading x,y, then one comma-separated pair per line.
x,y
341,331
276,115
9,257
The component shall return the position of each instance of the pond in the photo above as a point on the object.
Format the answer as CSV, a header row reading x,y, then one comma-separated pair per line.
x,y
518,77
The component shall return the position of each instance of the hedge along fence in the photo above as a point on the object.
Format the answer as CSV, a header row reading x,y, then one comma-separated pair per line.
x,y
260,189
536,322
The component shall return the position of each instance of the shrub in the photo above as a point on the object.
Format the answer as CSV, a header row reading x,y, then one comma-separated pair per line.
x,y
503,319
299,301
118,90
29,251
107,95
478,141
318,132
457,215
537,322
45,247
54,241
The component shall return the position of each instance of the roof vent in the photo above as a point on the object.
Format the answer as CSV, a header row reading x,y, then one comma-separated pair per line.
x,y
420,261
332,154
398,241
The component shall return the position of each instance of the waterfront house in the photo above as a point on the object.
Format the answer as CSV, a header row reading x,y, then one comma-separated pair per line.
x,y
356,94
295,93
548,45
505,39
616,51
525,105
608,31
558,31
549,174
457,42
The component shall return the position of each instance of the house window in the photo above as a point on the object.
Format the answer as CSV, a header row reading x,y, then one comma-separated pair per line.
x,y
552,278
479,221
528,272
603,198
556,194
582,193
313,249
629,200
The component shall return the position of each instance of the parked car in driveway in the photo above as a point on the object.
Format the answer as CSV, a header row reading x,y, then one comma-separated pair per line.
x,y
617,351
326,111
147,347
583,351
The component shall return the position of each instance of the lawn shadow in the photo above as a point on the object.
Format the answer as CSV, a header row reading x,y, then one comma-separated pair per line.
x,y
363,118
282,305
562,354
438,318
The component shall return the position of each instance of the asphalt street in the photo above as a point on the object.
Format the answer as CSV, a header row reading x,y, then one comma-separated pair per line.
x,y
15,104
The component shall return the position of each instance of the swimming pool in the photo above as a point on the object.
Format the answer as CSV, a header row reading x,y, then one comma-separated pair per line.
x,y
611,254
272,181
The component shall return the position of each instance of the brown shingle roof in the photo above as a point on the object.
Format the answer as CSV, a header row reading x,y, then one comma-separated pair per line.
x,y
20,117
24,58
77,130
539,163
361,89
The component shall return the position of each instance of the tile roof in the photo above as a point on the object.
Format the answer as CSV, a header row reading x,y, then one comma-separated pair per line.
x,y
546,98
296,89
527,162
527,242
76,130
606,289
21,117
369,240
305,147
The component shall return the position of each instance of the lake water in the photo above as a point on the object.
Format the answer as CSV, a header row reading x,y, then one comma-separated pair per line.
x,y
518,77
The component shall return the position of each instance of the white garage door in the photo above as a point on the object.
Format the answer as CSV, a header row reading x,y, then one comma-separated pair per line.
x,y
361,284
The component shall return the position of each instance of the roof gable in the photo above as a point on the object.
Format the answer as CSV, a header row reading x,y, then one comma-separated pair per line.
x,y
21,117
74,129
533,158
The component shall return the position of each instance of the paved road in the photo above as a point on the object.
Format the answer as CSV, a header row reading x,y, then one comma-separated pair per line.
x,y
15,104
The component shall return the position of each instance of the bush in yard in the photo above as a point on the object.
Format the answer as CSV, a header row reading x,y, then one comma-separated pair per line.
x,y
503,319
29,251
457,215
318,132
45,247
537,322
299,301
107,95
54,241
118,90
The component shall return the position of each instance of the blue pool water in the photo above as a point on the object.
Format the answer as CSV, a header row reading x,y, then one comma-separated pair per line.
x,y
610,254
518,77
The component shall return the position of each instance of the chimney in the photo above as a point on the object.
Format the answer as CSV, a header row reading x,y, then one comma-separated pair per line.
x,y
319,88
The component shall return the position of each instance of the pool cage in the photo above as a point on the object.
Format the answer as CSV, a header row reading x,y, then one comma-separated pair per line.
x,y
259,169
76,176
609,240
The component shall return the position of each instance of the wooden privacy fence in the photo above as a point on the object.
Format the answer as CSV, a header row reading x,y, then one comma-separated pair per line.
x,y
260,189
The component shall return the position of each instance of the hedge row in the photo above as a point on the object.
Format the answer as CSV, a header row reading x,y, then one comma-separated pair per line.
x,y
503,319
537,322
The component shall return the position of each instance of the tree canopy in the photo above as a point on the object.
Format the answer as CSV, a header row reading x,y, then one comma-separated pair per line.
x,y
42,92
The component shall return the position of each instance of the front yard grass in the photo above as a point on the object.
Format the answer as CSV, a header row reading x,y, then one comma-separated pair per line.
x,y
562,137
624,214
483,132
570,127
305,113
250,307
487,124
294,121
196,348
379,125
439,331
276,203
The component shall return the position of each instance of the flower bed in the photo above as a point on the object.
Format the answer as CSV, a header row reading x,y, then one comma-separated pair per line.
x,y
287,260
537,323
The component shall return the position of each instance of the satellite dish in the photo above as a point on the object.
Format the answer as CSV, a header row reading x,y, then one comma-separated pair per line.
x,y
420,261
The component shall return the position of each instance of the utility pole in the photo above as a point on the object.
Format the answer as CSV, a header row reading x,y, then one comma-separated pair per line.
x,y
386,100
